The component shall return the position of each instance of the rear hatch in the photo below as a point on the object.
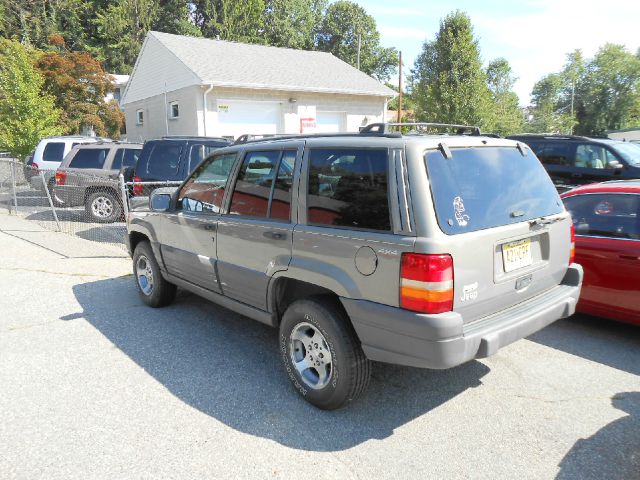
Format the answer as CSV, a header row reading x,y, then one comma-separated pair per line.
x,y
504,225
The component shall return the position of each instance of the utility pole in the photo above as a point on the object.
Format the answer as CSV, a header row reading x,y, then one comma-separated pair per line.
x,y
358,51
400,90
573,91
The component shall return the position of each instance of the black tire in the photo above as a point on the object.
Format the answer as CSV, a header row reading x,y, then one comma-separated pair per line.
x,y
161,293
103,207
349,371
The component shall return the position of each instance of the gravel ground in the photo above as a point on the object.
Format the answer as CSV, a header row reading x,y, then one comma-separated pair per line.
x,y
95,385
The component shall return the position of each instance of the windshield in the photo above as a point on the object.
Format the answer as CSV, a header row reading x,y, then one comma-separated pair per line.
x,y
481,188
630,152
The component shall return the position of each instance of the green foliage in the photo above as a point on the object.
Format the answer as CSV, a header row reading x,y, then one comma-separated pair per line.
x,y
609,91
292,23
338,34
449,83
603,94
506,114
237,20
26,115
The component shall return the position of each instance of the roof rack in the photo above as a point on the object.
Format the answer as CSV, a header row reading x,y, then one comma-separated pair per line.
x,y
248,137
385,128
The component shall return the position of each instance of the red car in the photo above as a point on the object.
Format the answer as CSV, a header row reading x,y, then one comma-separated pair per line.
x,y
606,217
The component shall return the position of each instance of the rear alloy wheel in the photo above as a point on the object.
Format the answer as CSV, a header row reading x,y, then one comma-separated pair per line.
x,y
103,207
154,290
322,354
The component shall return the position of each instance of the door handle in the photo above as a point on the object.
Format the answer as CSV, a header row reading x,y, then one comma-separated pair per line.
x,y
629,257
275,235
576,175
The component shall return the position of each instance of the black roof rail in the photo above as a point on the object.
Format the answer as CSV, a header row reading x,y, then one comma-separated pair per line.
x,y
385,128
248,137
193,137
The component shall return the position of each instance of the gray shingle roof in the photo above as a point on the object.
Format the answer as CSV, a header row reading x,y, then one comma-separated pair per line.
x,y
224,63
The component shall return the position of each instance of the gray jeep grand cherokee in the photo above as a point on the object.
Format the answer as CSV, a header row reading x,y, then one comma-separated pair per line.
x,y
421,250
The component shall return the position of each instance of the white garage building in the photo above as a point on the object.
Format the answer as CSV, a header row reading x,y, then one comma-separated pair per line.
x,y
195,86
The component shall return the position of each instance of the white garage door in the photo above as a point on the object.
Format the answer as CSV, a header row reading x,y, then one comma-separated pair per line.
x,y
236,118
329,122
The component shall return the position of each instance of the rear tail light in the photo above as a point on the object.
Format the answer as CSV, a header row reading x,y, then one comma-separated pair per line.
x,y
572,251
61,177
426,283
34,169
137,188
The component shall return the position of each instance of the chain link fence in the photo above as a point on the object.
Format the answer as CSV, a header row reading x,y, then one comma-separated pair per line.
x,y
90,206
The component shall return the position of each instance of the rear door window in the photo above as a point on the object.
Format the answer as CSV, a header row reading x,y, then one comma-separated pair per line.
x,y
53,152
198,152
89,158
556,153
164,160
605,215
481,188
125,157
348,188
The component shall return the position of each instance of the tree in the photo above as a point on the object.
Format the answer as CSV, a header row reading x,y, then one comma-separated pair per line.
x,y
79,85
121,28
546,116
292,23
609,93
26,115
343,22
507,116
237,20
450,85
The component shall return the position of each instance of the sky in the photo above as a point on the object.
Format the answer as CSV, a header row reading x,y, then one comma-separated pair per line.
x,y
533,35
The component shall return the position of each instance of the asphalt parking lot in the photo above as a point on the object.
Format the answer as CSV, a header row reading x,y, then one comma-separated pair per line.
x,y
95,385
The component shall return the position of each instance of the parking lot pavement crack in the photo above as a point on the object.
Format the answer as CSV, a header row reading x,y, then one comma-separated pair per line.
x,y
66,274
562,400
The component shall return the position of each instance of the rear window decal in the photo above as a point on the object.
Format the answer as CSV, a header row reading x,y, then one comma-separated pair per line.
x,y
458,208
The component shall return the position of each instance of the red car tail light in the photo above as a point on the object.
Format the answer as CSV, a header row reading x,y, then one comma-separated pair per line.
x,y
137,188
34,169
61,177
572,251
426,283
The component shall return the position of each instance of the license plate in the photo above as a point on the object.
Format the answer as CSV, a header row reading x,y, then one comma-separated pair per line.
x,y
516,255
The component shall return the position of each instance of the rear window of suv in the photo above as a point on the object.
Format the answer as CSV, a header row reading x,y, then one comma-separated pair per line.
x,y
89,158
480,188
53,152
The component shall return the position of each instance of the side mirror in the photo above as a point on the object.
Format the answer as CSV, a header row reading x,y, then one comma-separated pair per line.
x,y
614,165
159,201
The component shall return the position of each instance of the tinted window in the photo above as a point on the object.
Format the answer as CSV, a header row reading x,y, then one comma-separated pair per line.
x,y
53,152
127,157
89,158
486,187
203,192
348,188
605,215
164,160
555,153
253,187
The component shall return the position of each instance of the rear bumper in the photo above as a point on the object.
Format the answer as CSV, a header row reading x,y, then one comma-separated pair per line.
x,y
392,335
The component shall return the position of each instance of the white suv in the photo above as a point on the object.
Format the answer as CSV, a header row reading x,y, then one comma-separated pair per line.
x,y
50,152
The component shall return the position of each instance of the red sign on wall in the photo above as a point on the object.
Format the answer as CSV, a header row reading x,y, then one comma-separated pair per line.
x,y
307,125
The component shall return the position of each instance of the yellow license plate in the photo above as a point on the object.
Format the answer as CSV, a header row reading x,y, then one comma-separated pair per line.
x,y
516,255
